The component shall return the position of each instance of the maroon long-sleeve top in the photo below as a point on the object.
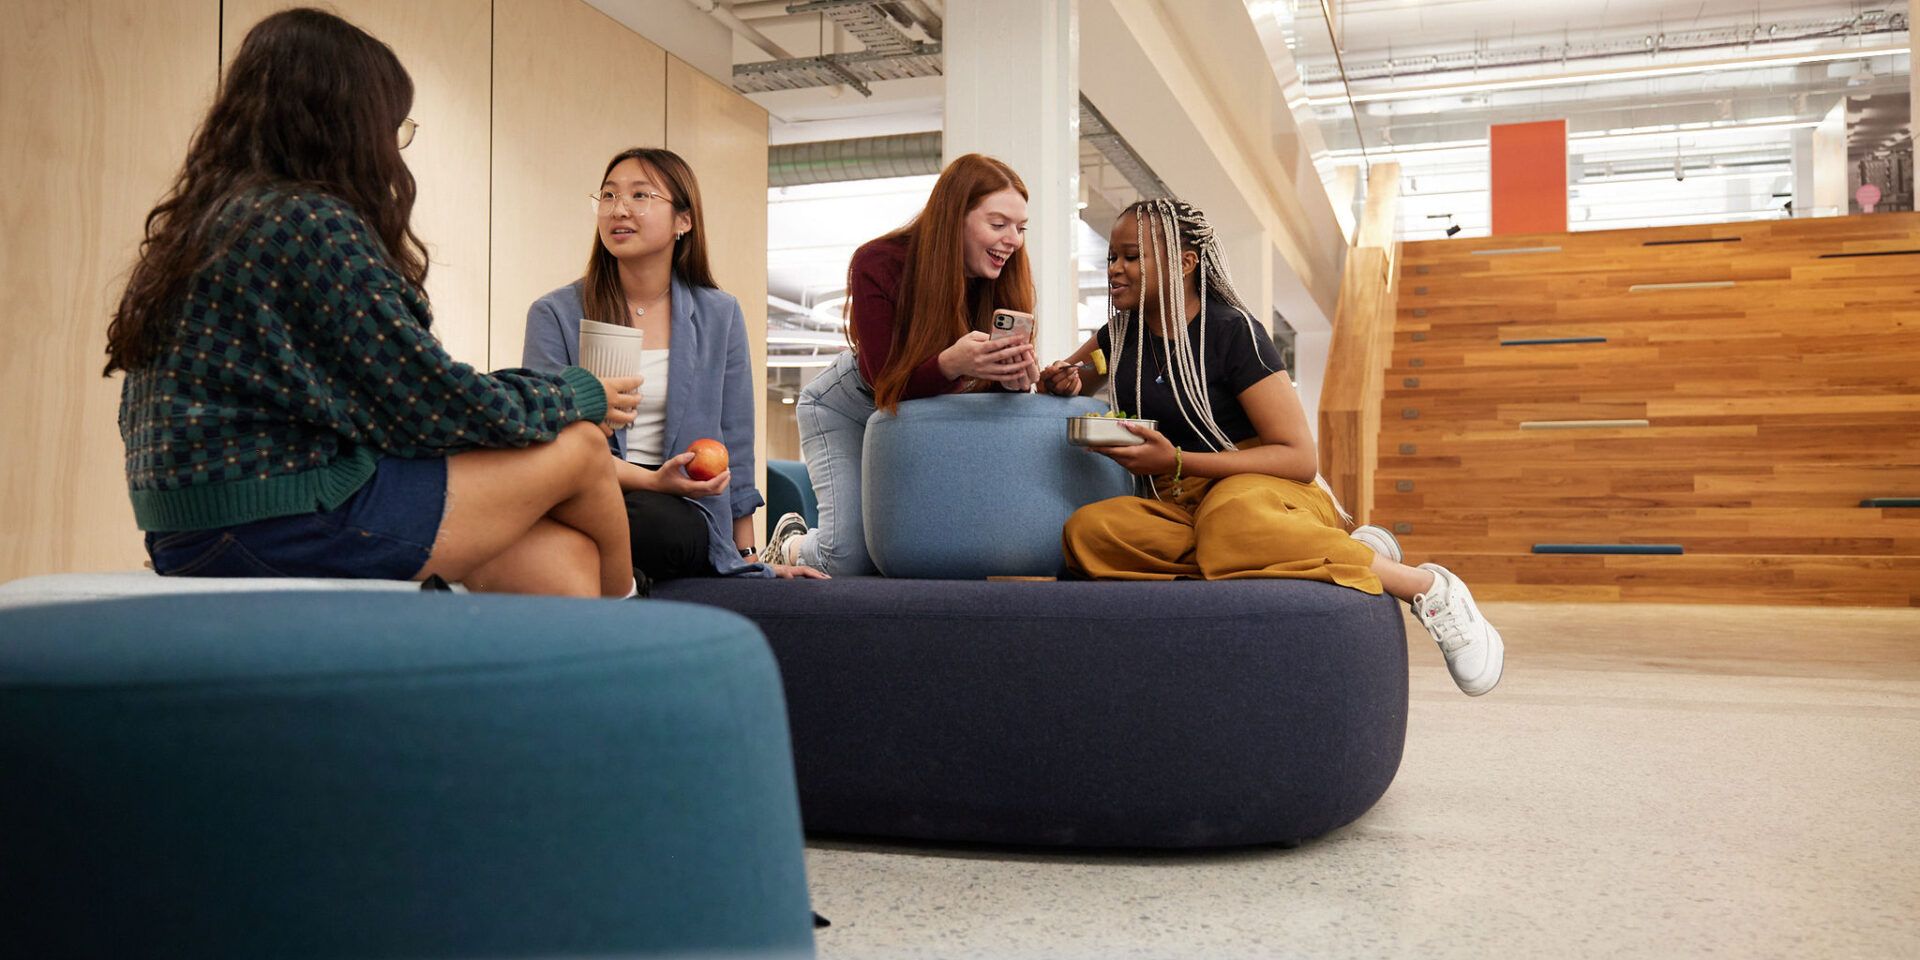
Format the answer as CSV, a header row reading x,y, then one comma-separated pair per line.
x,y
877,270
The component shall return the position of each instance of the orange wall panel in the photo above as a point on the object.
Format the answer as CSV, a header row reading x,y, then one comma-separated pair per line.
x,y
1529,177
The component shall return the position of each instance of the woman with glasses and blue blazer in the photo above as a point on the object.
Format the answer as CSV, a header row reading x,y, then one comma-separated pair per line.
x,y
649,270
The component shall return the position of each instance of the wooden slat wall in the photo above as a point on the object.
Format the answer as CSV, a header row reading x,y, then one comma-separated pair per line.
x,y
1775,405
1362,342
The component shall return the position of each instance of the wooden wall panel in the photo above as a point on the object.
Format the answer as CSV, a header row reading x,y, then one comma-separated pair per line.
x,y
723,136
1349,407
97,103
1776,405
444,46
571,88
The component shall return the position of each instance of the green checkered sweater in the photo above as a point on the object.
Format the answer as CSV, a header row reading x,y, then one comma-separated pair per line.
x,y
300,358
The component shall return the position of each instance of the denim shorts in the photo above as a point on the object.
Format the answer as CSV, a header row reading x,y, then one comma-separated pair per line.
x,y
385,531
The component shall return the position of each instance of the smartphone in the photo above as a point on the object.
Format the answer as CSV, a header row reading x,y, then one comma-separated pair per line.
x,y
1011,323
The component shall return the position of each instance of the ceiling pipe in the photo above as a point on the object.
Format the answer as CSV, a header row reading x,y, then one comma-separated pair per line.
x,y
866,158
742,29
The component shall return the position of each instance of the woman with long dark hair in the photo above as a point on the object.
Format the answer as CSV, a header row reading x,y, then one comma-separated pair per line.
x,y
287,411
920,300
648,270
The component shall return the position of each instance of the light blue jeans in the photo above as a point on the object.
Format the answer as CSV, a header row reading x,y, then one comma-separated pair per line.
x,y
833,412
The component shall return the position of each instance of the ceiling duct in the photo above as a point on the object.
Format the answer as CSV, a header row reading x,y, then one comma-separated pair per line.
x,y
919,154
866,158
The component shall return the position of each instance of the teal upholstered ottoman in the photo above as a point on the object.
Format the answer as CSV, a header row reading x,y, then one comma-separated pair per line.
x,y
790,490
976,485
298,775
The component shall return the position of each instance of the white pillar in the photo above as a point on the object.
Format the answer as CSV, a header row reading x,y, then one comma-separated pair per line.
x,y
1820,166
1310,349
1250,258
1013,92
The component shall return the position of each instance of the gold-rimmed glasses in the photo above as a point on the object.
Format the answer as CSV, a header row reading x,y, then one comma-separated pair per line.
x,y
607,201
408,128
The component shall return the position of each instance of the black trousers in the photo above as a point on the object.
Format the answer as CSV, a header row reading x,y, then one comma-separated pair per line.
x,y
669,536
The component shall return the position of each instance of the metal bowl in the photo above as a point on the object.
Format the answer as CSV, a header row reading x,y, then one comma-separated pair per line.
x,y
1105,431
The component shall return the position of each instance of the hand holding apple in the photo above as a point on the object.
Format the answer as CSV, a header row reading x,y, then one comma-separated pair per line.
x,y
672,478
709,459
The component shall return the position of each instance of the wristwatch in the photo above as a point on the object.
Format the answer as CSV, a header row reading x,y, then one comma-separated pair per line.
x,y
748,551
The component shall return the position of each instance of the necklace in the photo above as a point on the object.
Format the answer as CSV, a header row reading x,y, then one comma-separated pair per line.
x,y
641,311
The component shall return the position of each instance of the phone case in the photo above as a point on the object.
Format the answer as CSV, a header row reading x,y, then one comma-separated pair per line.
x,y
1010,323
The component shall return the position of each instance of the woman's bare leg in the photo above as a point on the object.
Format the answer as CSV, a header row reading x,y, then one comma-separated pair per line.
x,y
552,558
496,497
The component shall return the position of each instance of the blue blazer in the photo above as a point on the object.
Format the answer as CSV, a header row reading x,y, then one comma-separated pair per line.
x,y
709,394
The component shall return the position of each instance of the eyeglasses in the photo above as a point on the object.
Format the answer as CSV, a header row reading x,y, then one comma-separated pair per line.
x,y
408,128
607,201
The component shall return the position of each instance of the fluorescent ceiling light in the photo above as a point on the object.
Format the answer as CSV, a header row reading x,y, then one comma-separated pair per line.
x,y
1602,76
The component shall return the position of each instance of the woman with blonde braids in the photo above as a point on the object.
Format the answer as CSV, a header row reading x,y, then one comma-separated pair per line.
x,y
1232,472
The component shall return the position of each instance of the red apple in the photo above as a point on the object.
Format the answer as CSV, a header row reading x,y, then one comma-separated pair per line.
x,y
709,459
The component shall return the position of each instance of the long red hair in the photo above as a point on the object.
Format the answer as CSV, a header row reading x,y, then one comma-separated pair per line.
x,y
933,303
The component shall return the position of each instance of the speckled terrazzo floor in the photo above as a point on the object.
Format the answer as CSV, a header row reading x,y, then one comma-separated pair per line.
x,y
1648,781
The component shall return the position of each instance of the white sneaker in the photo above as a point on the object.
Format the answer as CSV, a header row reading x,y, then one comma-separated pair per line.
x,y
1475,654
784,539
1380,539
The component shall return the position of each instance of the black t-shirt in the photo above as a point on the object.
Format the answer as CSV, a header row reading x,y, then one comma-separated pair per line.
x,y
1238,354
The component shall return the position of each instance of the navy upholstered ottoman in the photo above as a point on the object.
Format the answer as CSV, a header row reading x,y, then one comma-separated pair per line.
x,y
1185,714
342,775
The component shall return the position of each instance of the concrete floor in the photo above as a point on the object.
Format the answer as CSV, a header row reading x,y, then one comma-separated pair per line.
x,y
1647,781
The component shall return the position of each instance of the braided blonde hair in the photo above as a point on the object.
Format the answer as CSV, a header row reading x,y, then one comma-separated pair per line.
x,y
1181,226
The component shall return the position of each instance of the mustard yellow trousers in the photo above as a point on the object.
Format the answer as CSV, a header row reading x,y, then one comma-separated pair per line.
x,y
1245,526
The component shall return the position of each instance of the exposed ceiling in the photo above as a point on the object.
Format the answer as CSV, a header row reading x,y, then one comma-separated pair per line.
x,y
1715,89
1677,112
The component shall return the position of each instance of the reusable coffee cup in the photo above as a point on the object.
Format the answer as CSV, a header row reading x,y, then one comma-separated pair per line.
x,y
609,350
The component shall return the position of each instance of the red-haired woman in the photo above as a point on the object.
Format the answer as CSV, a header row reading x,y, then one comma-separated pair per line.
x,y
921,298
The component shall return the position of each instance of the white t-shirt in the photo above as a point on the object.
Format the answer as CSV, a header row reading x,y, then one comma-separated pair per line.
x,y
648,434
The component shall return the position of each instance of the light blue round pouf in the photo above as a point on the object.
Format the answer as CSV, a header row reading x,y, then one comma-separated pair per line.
x,y
346,775
976,485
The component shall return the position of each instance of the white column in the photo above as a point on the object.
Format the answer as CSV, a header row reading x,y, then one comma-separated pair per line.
x,y
1820,166
1310,349
1250,257
1013,92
